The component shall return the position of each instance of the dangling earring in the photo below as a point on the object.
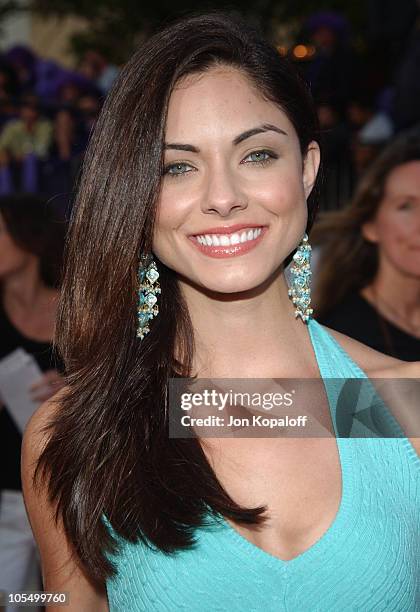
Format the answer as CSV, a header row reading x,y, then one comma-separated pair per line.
x,y
148,291
300,291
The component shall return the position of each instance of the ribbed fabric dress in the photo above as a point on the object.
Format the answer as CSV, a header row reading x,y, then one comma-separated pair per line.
x,y
368,560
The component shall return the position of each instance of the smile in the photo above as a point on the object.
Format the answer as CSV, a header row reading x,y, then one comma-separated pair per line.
x,y
228,245
228,239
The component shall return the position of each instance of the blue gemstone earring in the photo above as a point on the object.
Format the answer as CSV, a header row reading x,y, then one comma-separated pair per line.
x,y
300,291
148,291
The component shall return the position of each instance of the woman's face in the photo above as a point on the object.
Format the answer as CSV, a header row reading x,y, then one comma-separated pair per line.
x,y
396,226
233,198
12,258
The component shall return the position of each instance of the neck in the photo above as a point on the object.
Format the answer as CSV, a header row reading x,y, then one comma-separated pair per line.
x,y
253,334
402,292
396,296
24,288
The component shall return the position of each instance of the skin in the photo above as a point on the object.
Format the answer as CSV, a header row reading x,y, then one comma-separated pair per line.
x,y
242,317
29,304
396,231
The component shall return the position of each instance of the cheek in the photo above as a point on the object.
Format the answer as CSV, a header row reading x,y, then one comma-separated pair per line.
x,y
278,193
11,257
170,214
395,230
396,240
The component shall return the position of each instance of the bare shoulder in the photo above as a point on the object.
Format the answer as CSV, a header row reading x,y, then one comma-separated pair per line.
x,y
35,435
60,568
367,358
401,398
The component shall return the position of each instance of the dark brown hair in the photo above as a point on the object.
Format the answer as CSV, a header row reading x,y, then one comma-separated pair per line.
x,y
348,262
109,452
30,222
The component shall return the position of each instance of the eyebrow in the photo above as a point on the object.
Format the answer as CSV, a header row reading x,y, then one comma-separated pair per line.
x,y
265,127
404,196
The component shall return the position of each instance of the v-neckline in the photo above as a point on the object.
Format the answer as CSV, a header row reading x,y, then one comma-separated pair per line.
x,y
343,522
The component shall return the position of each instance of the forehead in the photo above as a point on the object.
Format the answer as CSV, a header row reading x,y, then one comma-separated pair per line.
x,y
220,101
404,178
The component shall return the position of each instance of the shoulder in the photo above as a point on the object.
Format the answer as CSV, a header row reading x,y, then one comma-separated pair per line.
x,y
401,396
35,435
61,570
367,358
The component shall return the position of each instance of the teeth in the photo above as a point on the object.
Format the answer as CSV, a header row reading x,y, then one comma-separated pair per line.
x,y
228,239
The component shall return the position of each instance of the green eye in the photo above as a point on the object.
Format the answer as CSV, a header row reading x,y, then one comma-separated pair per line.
x,y
177,169
259,157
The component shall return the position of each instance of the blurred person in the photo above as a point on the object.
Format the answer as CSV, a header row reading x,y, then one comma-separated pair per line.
x,y
23,61
30,270
72,126
388,29
337,184
8,80
371,128
72,129
332,71
31,133
24,143
406,109
95,66
368,273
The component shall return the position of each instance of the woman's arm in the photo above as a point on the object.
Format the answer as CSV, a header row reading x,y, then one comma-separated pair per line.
x,y
60,570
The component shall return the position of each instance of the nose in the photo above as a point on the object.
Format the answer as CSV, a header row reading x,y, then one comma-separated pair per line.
x,y
222,194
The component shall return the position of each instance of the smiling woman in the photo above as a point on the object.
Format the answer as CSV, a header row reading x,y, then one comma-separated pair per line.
x,y
381,228
201,173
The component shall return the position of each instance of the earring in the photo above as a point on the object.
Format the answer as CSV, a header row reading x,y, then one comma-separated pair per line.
x,y
148,291
300,291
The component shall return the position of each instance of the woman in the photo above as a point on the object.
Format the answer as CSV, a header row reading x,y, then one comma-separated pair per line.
x,y
204,155
29,276
368,279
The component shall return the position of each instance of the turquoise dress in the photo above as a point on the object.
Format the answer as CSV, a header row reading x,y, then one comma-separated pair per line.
x,y
368,560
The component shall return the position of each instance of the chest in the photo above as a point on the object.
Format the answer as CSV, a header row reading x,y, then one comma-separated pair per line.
x,y
300,483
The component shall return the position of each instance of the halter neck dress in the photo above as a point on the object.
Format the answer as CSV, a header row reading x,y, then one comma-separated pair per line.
x,y
367,560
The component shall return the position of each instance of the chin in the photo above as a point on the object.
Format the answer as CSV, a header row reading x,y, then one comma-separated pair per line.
x,y
232,286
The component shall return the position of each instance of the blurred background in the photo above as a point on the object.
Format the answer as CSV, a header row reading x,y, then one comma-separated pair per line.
x,y
58,60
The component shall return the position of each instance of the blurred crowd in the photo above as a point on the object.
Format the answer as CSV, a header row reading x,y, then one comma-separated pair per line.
x,y
46,115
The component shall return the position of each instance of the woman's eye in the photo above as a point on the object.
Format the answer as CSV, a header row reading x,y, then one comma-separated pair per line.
x,y
259,157
405,206
177,169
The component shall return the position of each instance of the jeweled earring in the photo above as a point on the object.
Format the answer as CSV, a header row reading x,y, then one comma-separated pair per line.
x,y
300,291
148,291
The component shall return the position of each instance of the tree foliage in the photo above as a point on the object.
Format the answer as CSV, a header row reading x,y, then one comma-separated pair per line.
x,y
115,26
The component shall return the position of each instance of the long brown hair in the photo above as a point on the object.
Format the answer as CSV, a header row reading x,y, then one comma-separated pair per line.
x,y
109,452
348,262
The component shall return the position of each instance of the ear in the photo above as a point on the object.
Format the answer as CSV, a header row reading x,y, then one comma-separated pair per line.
x,y
310,166
369,231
